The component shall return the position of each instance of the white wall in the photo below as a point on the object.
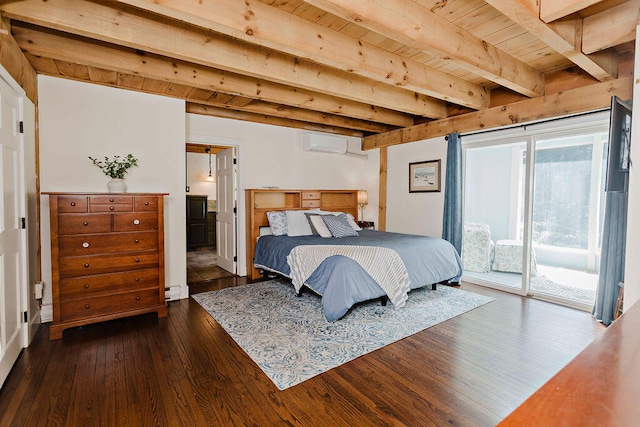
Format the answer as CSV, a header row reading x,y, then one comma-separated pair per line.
x,y
78,120
197,173
414,213
273,156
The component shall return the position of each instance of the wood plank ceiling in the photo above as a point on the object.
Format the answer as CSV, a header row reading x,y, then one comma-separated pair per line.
x,y
353,67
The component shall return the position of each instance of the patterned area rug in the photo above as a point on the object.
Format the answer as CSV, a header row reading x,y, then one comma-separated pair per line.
x,y
290,340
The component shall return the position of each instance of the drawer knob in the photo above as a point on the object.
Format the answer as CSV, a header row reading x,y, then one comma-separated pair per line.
x,y
111,199
86,286
136,241
136,221
85,223
137,298
146,203
137,279
86,265
110,208
85,245
137,259
87,306
73,203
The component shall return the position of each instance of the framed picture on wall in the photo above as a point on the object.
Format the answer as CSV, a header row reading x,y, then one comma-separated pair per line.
x,y
424,176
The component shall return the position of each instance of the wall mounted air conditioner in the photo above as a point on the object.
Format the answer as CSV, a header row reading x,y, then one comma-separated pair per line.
x,y
324,142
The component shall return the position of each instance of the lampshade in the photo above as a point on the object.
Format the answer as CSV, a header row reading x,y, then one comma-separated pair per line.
x,y
363,197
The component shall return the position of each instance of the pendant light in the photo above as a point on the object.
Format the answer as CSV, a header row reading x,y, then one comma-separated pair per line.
x,y
210,178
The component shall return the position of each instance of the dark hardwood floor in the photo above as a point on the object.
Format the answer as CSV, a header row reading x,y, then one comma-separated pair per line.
x,y
185,370
202,266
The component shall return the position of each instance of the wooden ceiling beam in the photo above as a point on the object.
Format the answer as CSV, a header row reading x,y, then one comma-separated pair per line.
x,y
611,27
117,25
566,39
573,101
551,10
417,27
271,115
108,57
259,23
16,64
270,120
298,114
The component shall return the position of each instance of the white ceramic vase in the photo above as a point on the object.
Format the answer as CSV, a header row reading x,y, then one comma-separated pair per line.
x,y
117,185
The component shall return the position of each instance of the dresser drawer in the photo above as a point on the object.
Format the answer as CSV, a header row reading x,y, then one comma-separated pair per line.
x,y
98,264
83,224
310,195
83,308
121,207
73,204
145,203
311,203
91,244
111,200
137,221
108,283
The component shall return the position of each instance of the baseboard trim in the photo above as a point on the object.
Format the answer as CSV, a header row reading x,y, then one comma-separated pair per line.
x,y
46,313
176,292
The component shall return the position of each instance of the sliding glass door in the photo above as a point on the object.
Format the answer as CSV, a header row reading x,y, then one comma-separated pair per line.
x,y
533,203
494,208
568,204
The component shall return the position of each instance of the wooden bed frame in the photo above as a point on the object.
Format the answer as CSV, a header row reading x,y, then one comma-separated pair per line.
x,y
261,201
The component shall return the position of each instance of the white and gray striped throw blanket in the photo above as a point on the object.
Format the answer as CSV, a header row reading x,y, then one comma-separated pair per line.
x,y
382,264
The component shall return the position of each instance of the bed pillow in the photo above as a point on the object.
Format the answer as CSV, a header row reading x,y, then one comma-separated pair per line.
x,y
339,225
350,219
297,224
318,227
277,222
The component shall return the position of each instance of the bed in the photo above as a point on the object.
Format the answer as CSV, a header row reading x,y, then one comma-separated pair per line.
x,y
358,266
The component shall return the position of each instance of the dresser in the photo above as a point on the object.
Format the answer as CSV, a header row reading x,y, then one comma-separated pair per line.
x,y
197,222
107,257
211,228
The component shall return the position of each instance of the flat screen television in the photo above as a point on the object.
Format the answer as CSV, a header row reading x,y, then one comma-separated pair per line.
x,y
619,146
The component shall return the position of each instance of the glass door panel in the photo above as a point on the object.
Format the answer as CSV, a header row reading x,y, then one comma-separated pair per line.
x,y
568,202
494,214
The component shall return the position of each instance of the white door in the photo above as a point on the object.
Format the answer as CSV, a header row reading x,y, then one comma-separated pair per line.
x,y
226,188
12,243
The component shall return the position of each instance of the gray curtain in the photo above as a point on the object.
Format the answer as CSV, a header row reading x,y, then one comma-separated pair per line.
x,y
614,242
452,221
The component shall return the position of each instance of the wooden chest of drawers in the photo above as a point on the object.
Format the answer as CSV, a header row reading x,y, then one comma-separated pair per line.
x,y
107,257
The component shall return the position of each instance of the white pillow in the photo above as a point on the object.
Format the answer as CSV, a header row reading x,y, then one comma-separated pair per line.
x,y
277,222
297,224
350,219
320,226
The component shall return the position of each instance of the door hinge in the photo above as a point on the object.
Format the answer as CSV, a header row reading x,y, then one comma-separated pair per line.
x,y
235,210
25,316
23,223
21,126
235,259
235,161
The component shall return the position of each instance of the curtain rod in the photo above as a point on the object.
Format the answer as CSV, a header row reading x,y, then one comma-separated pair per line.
x,y
535,122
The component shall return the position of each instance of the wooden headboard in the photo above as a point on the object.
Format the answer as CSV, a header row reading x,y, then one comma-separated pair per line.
x,y
261,201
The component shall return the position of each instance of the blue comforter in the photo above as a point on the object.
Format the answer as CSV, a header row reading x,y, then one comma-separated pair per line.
x,y
342,282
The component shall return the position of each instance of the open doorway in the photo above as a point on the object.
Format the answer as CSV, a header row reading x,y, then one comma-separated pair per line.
x,y
211,194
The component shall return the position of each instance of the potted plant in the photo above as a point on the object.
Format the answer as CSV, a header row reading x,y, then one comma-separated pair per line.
x,y
116,169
